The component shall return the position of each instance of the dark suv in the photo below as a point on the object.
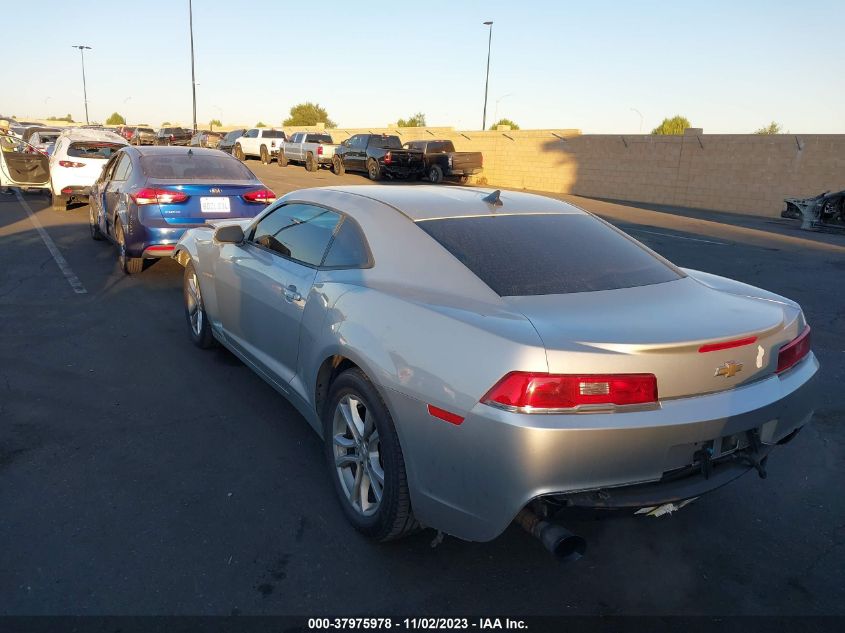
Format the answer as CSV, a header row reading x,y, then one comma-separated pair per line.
x,y
173,136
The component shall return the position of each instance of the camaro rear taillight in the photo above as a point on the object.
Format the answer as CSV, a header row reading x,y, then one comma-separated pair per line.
x,y
529,392
148,195
792,353
70,163
262,196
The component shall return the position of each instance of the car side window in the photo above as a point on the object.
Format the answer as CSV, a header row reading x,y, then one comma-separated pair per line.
x,y
123,169
348,248
301,232
252,134
354,141
108,172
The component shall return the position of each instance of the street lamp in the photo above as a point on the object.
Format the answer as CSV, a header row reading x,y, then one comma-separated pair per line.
x,y
641,118
193,76
82,48
496,111
487,80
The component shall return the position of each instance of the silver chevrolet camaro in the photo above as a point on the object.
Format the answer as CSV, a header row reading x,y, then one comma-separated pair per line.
x,y
472,358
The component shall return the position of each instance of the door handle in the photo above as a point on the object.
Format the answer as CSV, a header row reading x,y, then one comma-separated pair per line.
x,y
292,294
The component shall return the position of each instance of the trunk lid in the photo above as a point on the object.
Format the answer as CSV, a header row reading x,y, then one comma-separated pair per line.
x,y
660,329
194,211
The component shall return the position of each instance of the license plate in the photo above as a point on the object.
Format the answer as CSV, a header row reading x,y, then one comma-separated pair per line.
x,y
215,205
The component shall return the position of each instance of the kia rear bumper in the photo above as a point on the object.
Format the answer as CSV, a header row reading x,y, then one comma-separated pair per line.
x,y
471,479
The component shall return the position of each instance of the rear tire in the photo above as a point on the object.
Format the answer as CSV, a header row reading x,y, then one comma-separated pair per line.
x,y
199,328
265,155
463,180
373,170
310,163
239,153
435,174
372,455
59,202
129,265
337,166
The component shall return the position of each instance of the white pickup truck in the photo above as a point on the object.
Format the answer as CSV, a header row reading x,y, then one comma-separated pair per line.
x,y
311,148
259,142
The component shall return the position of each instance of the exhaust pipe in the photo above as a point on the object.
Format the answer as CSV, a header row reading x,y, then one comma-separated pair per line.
x,y
563,544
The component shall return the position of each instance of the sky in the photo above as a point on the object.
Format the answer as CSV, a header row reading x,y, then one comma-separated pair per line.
x,y
728,66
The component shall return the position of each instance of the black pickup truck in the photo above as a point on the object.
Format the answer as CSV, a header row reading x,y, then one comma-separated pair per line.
x,y
442,161
378,155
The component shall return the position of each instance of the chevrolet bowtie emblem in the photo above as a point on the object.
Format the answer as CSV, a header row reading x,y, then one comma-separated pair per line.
x,y
729,369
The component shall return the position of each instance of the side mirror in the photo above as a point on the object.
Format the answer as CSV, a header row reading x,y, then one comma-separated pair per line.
x,y
231,234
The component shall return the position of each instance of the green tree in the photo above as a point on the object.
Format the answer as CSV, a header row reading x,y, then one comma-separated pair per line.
x,y
672,127
214,122
115,119
772,128
261,124
513,125
67,118
308,114
165,123
417,120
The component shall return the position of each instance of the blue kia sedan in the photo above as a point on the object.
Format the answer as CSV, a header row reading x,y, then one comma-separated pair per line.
x,y
147,197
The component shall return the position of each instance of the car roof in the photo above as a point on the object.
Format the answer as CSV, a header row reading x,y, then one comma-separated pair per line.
x,y
82,134
421,202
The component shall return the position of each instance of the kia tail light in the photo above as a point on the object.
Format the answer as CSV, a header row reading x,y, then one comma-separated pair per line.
x,y
531,392
149,195
262,196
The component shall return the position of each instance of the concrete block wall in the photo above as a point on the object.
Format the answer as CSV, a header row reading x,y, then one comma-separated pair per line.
x,y
741,173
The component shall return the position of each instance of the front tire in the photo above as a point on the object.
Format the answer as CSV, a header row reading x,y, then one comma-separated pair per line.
x,y
96,233
199,328
365,459
239,153
337,166
373,169
282,160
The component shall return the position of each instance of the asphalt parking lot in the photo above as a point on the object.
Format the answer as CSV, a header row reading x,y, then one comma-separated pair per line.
x,y
140,475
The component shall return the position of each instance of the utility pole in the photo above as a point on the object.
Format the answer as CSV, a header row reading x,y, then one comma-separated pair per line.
x,y
193,75
487,81
82,48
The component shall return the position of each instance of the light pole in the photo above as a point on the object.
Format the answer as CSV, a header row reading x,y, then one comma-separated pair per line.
x,y
193,76
641,118
82,48
496,111
125,101
487,80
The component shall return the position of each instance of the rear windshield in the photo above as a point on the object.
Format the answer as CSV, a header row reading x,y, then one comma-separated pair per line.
x,y
386,142
318,138
439,147
273,134
48,137
518,255
185,167
93,149
146,129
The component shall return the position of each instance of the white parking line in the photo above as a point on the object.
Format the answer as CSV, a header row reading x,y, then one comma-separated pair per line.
x,y
61,262
679,237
